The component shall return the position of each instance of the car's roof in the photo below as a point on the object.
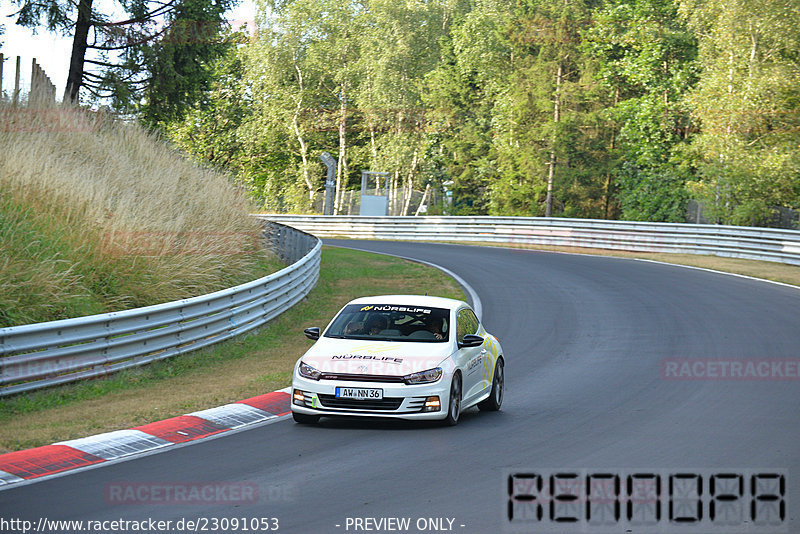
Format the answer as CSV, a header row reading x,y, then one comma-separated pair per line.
x,y
411,300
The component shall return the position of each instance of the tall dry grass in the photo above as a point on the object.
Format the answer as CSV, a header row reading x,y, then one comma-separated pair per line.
x,y
98,215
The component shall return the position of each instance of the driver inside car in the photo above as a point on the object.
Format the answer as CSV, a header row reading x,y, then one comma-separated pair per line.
x,y
434,326
375,324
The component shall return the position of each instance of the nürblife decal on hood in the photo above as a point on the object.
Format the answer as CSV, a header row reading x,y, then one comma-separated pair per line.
x,y
388,359
337,356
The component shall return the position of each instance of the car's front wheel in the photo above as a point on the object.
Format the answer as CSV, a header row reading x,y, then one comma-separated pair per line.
x,y
492,404
454,406
305,418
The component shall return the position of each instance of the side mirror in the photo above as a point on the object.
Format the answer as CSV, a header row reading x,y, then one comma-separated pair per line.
x,y
312,333
470,340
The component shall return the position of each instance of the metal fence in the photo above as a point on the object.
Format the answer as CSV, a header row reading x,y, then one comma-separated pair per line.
x,y
45,354
765,244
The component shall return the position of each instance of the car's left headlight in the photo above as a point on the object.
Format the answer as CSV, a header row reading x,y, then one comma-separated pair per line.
x,y
424,377
306,371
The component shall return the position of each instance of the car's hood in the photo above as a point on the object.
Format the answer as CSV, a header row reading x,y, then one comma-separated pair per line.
x,y
375,358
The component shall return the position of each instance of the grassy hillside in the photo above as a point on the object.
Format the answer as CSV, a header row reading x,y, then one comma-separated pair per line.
x,y
96,215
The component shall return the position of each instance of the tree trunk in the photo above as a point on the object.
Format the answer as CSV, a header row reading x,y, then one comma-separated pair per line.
x,y
548,209
393,193
611,151
410,182
303,147
304,156
373,146
422,202
341,168
75,76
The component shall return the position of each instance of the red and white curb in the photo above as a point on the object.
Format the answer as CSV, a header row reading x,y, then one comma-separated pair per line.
x,y
25,465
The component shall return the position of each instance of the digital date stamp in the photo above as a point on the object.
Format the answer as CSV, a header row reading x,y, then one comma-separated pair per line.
x,y
731,501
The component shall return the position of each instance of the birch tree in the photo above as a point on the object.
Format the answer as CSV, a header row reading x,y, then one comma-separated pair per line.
x,y
748,106
401,45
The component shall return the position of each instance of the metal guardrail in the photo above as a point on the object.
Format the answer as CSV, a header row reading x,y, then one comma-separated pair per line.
x,y
765,244
45,354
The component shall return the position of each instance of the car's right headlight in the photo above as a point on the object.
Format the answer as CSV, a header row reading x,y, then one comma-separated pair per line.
x,y
424,377
306,371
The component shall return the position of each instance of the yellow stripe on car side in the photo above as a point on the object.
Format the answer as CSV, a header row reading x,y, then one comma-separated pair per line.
x,y
489,365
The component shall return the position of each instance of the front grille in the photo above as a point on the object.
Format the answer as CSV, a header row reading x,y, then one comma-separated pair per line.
x,y
362,378
387,404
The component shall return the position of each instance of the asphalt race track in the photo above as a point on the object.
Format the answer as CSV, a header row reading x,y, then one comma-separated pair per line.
x,y
588,344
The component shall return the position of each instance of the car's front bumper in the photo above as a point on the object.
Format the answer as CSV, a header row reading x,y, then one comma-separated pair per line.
x,y
312,397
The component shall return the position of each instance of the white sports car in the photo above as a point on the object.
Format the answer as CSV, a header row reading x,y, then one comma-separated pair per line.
x,y
402,356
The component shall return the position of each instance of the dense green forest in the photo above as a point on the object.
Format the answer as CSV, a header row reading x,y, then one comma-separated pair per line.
x,y
577,108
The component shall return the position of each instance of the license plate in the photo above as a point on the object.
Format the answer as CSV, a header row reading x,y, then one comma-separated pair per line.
x,y
359,393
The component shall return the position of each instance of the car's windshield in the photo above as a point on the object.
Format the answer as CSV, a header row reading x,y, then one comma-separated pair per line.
x,y
391,322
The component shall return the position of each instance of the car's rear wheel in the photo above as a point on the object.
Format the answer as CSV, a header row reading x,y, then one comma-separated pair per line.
x,y
454,406
492,404
305,418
